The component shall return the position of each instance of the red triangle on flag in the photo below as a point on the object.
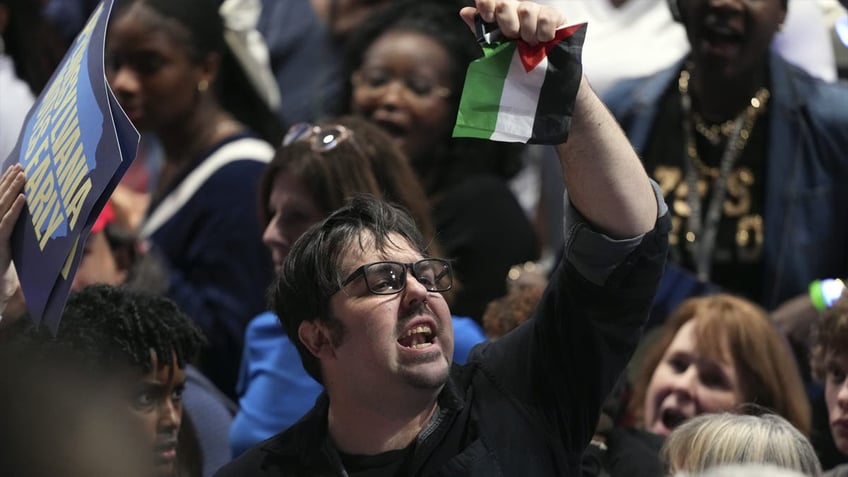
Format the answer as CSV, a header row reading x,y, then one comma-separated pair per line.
x,y
531,56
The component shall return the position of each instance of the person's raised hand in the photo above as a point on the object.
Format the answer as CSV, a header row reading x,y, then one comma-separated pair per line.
x,y
533,22
11,203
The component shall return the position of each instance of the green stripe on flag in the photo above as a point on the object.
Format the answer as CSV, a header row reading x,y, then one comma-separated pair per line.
x,y
481,95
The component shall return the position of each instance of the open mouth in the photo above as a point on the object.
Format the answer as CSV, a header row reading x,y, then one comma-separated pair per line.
x,y
417,337
394,129
671,418
722,38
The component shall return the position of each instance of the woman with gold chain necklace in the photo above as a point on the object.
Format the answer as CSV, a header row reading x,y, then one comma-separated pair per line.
x,y
751,154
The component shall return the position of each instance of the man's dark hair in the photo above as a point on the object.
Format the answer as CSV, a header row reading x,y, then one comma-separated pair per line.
x,y
114,326
310,273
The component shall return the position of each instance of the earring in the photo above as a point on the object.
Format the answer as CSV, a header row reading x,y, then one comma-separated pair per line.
x,y
780,26
202,86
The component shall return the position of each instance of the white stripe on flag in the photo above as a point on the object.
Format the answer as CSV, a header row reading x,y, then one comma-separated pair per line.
x,y
519,100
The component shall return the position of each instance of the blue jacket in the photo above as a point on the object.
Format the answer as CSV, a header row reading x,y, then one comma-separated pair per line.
x,y
806,210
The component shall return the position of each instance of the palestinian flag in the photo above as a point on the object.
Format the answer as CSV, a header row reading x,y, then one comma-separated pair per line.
x,y
523,93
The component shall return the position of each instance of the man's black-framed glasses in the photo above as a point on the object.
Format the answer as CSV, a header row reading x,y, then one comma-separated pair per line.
x,y
388,277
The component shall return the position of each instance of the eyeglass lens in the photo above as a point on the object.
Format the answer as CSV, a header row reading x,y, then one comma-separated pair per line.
x,y
384,278
328,138
297,132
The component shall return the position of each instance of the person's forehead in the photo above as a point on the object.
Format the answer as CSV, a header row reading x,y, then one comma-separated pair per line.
x,y
364,251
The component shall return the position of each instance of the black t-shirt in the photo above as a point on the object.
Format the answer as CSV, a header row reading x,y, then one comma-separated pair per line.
x,y
386,464
737,259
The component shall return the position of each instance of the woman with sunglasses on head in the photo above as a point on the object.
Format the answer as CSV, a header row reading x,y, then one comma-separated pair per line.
x,y
407,67
177,78
318,168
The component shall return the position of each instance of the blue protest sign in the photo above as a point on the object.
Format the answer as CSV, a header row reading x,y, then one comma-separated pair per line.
x,y
75,146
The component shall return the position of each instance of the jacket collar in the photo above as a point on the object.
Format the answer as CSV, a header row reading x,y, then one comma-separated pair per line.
x,y
784,92
307,443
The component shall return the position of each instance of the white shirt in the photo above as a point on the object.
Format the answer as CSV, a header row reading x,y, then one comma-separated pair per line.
x,y
805,39
640,38
637,39
15,101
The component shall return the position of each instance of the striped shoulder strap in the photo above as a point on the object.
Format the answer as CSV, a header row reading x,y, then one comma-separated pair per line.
x,y
244,149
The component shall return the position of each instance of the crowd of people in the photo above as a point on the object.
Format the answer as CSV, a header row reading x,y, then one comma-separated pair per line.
x,y
305,273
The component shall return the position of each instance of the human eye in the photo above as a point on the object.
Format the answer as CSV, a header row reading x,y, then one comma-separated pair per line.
x,y
678,363
422,87
713,378
293,218
425,273
383,277
144,399
441,272
112,62
149,63
427,279
177,393
374,78
834,374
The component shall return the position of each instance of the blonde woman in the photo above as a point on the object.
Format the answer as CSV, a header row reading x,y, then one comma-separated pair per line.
x,y
743,470
711,440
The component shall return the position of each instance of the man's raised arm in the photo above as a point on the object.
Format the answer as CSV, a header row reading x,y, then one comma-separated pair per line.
x,y
606,181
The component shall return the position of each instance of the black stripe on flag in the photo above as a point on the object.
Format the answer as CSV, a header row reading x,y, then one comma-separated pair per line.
x,y
559,90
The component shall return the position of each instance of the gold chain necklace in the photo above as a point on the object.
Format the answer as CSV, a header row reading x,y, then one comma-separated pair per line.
x,y
714,133
701,235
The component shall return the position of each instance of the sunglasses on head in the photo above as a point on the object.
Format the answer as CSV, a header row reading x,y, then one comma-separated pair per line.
x,y
320,138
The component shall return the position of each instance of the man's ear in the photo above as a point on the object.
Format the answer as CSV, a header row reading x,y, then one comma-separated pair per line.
x,y
315,336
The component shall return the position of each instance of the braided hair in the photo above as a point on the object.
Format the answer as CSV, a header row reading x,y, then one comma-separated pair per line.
x,y
114,326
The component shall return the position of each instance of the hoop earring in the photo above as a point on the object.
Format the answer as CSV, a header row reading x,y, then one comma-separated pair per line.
x,y
202,86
